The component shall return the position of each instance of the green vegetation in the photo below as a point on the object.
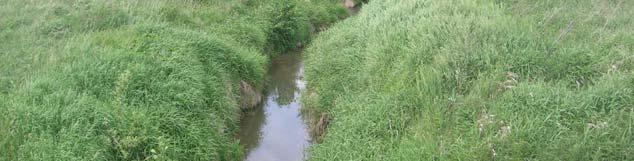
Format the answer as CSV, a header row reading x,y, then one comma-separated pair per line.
x,y
477,80
404,80
138,80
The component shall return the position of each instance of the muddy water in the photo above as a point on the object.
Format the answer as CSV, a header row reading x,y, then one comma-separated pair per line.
x,y
276,131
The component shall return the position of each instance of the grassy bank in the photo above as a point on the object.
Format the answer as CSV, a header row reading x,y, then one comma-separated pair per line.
x,y
477,80
138,80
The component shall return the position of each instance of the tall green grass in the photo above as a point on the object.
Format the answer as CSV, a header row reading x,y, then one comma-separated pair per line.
x,y
137,80
477,80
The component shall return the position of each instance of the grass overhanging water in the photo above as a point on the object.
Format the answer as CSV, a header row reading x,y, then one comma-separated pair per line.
x,y
138,80
403,80
476,80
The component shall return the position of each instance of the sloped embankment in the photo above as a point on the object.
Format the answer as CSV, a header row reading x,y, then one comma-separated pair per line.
x,y
137,80
476,80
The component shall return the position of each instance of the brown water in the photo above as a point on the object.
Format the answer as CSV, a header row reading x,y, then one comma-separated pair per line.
x,y
277,131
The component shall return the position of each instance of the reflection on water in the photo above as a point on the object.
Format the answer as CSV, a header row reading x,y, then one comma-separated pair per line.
x,y
276,131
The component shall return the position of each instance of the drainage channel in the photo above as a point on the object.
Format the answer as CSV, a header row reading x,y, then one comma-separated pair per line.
x,y
277,131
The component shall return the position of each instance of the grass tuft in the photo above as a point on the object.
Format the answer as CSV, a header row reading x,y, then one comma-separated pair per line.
x,y
476,80
135,80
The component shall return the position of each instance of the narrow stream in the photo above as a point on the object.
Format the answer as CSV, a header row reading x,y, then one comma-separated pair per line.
x,y
277,131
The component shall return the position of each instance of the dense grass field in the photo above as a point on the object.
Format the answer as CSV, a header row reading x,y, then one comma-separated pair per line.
x,y
477,80
136,79
403,80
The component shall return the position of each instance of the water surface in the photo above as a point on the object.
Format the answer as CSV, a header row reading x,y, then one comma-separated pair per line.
x,y
276,131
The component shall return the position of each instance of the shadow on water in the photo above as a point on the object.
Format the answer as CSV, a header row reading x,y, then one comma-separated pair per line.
x,y
277,131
